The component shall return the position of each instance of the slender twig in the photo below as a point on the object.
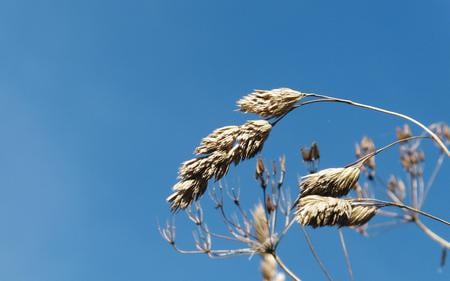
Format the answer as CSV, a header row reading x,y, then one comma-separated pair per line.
x,y
382,203
333,99
285,268
347,257
441,241
315,254
432,178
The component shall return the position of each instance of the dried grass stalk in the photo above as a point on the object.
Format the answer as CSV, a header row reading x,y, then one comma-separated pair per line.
x,y
317,211
334,182
273,103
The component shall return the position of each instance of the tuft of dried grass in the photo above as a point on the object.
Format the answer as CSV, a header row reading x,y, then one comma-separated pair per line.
x,y
318,211
334,182
260,224
273,103
226,145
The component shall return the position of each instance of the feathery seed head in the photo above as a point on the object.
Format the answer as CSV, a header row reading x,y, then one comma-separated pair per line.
x,y
260,224
273,103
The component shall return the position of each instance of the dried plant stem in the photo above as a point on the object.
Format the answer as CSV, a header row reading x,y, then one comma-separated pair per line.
x,y
315,254
433,176
441,241
333,99
382,203
366,157
285,268
347,257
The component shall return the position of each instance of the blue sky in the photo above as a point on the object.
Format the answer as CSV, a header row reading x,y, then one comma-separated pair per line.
x,y
101,100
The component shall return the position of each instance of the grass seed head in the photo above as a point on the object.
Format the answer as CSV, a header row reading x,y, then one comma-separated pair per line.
x,y
273,103
318,211
334,182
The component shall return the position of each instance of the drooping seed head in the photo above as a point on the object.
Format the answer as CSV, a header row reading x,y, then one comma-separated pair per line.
x,y
273,103
250,140
318,211
220,139
186,191
334,182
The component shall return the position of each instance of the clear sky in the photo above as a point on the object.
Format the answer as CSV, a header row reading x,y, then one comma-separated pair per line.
x,y
101,100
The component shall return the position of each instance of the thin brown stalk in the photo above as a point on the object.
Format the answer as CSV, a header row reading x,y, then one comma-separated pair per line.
x,y
382,203
315,254
285,268
324,98
347,257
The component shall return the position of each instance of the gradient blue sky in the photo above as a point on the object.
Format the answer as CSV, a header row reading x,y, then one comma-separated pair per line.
x,y
101,100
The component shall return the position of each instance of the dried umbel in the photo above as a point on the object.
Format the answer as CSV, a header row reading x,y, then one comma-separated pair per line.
x,y
397,187
317,211
334,182
273,103
219,149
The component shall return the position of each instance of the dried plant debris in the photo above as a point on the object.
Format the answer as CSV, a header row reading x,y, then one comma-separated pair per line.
x,y
334,182
260,224
221,148
397,188
403,133
311,157
273,103
318,211
366,147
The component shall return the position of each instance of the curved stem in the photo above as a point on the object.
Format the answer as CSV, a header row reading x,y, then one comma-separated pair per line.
x,y
315,254
333,99
368,156
347,257
285,268
382,203
441,241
